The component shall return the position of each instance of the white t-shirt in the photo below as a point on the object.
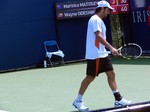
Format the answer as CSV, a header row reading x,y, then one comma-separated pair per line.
x,y
94,51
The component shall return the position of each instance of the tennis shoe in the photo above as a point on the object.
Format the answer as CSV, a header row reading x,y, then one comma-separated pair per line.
x,y
122,102
80,106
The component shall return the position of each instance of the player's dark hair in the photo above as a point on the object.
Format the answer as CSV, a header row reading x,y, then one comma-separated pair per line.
x,y
99,9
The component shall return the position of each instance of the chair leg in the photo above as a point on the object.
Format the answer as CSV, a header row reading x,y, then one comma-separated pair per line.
x,y
50,62
62,60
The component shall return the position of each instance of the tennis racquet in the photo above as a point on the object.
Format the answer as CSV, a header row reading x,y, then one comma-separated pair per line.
x,y
129,51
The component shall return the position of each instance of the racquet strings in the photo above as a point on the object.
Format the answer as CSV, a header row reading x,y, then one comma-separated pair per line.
x,y
131,51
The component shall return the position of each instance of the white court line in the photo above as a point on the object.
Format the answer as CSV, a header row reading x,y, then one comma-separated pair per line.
x,y
3,111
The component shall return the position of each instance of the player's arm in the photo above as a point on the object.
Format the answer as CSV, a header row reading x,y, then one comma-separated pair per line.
x,y
105,43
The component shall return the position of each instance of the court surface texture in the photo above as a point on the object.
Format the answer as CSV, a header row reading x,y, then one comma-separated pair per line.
x,y
54,89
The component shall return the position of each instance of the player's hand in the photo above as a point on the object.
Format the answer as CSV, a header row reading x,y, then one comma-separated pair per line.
x,y
114,51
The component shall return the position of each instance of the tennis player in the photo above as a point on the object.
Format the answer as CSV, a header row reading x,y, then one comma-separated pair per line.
x,y
97,61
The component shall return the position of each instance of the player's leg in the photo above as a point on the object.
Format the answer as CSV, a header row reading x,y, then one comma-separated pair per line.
x,y
119,100
91,71
108,68
113,85
84,85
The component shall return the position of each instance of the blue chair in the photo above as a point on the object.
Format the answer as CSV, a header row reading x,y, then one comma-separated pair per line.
x,y
52,49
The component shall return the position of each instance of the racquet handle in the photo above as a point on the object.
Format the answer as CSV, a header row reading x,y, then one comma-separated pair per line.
x,y
106,52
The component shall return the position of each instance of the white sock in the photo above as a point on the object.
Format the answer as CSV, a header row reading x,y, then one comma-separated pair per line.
x,y
115,91
79,98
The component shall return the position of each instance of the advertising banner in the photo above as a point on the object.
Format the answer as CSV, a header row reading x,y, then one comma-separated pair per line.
x,y
75,9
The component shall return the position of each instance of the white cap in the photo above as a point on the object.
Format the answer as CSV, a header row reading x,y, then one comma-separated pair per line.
x,y
104,4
